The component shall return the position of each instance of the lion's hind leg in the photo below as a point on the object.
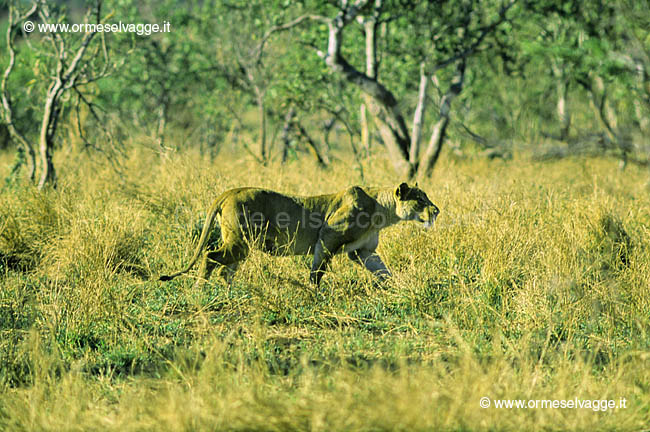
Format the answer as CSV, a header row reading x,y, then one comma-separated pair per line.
x,y
227,258
227,272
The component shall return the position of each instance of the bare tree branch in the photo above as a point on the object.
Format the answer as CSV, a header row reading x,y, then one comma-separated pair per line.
x,y
382,102
65,78
283,27
484,32
432,152
312,147
7,111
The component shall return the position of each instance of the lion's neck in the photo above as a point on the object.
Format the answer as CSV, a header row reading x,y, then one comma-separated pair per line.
x,y
386,199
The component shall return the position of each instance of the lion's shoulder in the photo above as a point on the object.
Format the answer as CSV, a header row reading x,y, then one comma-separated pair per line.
x,y
355,199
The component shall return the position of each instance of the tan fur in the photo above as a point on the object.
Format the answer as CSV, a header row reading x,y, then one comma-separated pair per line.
x,y
322,226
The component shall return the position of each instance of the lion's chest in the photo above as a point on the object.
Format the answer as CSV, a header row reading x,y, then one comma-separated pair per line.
x,y
366,241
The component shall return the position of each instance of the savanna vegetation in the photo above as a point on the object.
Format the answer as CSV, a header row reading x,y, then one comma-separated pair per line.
x,y
525,122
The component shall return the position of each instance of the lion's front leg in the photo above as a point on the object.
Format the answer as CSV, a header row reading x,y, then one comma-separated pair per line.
x,y
323,253
370,260
321,260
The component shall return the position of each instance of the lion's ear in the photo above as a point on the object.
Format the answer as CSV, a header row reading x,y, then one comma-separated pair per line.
x,y
401,191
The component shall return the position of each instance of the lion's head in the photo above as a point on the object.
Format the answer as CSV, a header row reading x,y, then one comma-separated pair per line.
x,y
411,203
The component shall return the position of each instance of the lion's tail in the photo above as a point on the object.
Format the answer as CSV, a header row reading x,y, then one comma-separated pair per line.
x,y
205,235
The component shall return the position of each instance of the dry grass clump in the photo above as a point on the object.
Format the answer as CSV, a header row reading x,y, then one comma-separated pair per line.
x,y
97,243
217,389
27,222
533,285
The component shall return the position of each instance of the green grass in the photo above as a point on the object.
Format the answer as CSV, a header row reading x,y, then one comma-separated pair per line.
x,y
533,285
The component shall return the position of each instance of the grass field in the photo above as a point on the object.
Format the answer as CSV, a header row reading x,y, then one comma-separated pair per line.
x,y
534,285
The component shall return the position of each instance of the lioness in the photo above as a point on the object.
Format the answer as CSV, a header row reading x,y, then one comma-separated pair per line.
x,y
322,225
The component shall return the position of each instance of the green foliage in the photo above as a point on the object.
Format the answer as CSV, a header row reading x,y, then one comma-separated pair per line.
x,y
200,76
161,71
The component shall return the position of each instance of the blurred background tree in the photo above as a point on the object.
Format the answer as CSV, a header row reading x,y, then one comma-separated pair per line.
x,y
57,65
277,79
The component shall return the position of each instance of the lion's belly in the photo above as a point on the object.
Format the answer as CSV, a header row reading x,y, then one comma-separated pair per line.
x,y
279,224
289,242
368,240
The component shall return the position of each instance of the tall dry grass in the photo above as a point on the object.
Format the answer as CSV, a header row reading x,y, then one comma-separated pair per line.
x,y
533,285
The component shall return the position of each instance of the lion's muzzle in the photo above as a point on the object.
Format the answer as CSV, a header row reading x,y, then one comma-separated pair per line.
x,y
431,213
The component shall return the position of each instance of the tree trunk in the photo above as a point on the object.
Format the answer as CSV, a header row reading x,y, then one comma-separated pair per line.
x,y
262,125
357,156
370,30
312,147
365,128
162,121
380,101
418,118
327,129
288,121
48,129
30,154
434,148
606,107
48,173
600,105
438,135
598,101
607,115
395,136
641,116
562,88
7,110
67,71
